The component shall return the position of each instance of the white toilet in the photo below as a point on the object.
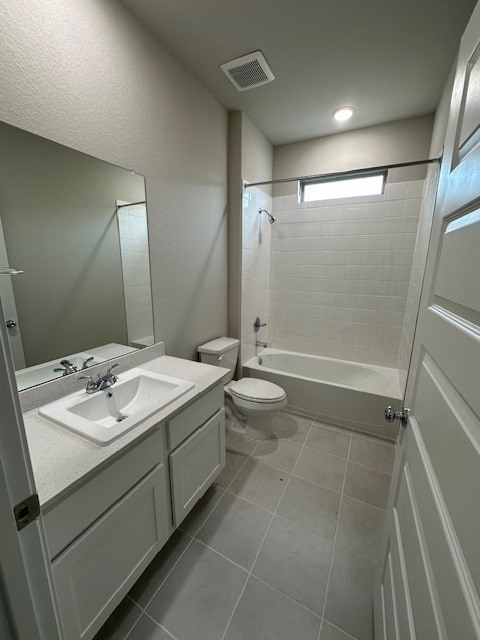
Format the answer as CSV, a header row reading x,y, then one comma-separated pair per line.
x,y
253,404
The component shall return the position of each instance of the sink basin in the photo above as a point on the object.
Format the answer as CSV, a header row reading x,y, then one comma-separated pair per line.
x,y
104,416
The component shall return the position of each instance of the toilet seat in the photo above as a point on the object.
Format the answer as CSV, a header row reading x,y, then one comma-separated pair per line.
x,y
256,390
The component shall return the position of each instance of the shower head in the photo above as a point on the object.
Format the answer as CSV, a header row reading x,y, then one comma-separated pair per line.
x,y
271,218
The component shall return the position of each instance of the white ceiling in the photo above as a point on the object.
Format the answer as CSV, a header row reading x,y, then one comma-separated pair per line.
x,y
387,58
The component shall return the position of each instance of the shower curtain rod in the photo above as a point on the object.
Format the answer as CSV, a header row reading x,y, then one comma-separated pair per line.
x,y
130,204
340,174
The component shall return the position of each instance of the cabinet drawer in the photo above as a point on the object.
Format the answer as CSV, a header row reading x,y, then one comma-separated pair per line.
x,y
96,571
70,517
186,422
196,464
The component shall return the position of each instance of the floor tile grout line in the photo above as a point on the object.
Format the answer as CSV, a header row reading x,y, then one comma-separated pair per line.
x,y
325,452
335,427
144,612
298,458
354,432
249,502
342,630
334,542
247,458
366,466
158,625
378,439
247,579
136,621
204,544
285,595
275,515
360,555
255,559
346,495
168,574
224,491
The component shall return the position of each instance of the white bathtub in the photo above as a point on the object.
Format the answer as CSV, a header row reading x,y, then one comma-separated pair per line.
x,y
348,394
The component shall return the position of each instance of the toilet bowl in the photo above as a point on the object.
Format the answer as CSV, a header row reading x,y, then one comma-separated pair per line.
x,y
252,404
258,403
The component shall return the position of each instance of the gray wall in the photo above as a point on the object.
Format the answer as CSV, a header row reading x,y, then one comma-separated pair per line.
x,y
251,160
257,154
87,75
58,212
394,142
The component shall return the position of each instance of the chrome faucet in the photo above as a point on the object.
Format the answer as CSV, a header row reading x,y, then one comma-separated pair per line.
x,y
101,382
71,368
261,344
66,368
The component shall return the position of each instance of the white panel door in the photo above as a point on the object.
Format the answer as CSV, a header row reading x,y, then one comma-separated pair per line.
x,y
428,584
10,307
27,607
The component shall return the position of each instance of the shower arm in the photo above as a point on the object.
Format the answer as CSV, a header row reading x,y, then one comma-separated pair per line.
x,y
271,218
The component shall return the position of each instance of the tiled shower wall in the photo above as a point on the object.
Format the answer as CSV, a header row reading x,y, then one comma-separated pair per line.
x,y
256,238
418,269
132,225
340,273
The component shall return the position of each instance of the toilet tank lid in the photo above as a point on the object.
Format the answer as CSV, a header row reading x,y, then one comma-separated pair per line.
x,y
219,345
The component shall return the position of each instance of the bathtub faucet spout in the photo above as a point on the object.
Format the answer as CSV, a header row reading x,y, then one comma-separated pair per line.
x,y
261,344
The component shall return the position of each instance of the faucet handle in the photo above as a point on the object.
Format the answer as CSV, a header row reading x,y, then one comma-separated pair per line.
x,y
258,324
62,370
85,362
112,367
91,383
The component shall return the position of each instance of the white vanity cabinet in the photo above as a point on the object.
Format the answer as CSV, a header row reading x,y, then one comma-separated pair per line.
x,y
196,444
103,534
93,574
195,464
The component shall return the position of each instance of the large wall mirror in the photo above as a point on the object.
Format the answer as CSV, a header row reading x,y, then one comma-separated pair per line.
x,y
77,229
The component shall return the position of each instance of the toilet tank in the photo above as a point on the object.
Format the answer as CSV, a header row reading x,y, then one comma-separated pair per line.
x,y
221,352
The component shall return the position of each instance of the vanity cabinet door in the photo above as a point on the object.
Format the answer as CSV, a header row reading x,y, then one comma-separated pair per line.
x,y
195,464
96,571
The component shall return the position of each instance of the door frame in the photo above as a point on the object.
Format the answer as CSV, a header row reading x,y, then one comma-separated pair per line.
x,y
25,573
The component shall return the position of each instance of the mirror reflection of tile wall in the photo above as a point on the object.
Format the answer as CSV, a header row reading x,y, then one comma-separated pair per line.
x,y
132,224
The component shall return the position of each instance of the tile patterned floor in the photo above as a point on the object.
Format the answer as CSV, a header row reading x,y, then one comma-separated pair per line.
x,y
283,546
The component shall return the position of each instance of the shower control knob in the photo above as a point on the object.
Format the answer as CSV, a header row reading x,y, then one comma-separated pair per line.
x,y
391,415
11,324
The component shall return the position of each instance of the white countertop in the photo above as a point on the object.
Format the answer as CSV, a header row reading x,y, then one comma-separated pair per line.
x,y
61,459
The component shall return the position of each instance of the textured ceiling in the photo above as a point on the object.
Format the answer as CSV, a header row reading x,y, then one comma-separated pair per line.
x,y
387,58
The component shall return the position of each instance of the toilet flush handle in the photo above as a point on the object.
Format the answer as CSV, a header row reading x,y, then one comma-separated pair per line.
x,y
219,358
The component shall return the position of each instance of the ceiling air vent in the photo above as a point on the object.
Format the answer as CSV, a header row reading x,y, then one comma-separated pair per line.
x,y
248,71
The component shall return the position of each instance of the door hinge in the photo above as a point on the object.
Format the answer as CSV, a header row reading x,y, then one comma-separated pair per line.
x,y
26,511
391,415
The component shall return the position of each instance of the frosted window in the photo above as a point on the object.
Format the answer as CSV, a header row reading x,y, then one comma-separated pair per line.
x,y
366,185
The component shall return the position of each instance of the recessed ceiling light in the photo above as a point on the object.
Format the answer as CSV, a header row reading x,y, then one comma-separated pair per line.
x,y
343,113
